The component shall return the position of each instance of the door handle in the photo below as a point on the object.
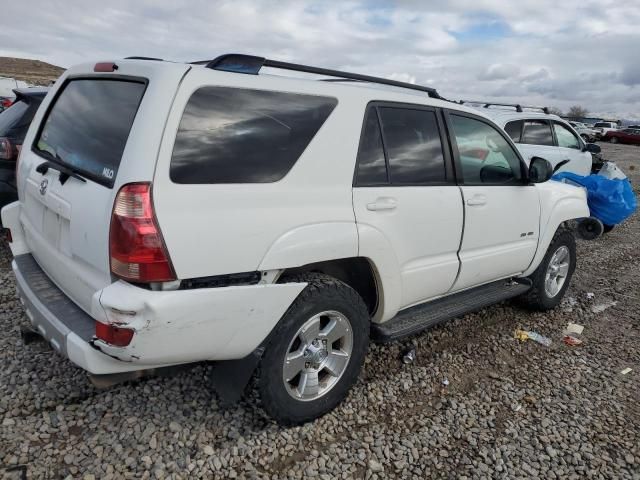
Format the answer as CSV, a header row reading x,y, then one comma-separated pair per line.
x,y
382,203
477,200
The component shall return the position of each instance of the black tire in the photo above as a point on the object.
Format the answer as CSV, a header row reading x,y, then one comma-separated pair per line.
x,y
607,228
537,297
322,293
614,140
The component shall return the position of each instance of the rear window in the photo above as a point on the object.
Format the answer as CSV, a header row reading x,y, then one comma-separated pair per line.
x,y
231,135
14,121
88,126
537,132
514,130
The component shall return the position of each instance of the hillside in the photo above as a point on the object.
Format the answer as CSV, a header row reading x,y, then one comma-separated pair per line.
x,y
31,71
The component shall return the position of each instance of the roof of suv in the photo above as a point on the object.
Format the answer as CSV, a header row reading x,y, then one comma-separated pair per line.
x,y
502,115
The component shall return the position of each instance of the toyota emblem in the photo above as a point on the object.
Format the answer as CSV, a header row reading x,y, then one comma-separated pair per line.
x,y
43,186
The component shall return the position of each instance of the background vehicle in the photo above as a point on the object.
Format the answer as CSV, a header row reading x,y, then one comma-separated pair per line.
x,y
14,123
5,102
628,135
271,224
540,134
588,134
601,128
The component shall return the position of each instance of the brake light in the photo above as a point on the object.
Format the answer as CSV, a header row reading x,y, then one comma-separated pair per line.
x,y
114,335
137,250
6,102
6,149
105,67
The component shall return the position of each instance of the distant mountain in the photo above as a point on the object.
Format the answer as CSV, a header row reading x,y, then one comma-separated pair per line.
x,y
31,71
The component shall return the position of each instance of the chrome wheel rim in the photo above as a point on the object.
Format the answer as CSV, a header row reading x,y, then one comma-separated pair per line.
x,y
557,271
317,356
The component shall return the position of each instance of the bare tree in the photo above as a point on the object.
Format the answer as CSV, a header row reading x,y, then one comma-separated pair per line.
x,y
555,111
577,111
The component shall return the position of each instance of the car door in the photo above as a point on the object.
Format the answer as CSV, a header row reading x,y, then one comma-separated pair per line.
x,y
570,147
502,211
405,196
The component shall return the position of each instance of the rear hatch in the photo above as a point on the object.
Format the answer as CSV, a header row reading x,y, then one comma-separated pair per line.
x,y
94,133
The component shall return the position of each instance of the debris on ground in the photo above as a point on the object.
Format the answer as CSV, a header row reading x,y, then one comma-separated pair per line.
x,y
603,306
572,334
409,356
524,335
590,295
625,371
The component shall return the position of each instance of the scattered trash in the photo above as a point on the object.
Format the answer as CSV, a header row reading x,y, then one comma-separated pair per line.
x,y
625,371
571,340
409,356
445,382
590,295
572,334
603,306
524,335
516,407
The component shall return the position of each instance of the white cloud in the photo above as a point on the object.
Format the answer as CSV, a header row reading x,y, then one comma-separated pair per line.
x,y
530,51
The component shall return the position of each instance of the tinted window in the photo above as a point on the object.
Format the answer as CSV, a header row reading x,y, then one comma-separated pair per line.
x,y
565,137
485,156
412,142
14,121
89,125
537,132
514,130
231,135
372,168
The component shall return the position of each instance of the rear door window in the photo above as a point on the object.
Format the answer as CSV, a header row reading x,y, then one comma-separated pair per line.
x,y
413,145
372,168
514,130
537,132
232,135
88,126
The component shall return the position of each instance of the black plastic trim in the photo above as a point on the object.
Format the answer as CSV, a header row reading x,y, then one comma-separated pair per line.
x,y
218,281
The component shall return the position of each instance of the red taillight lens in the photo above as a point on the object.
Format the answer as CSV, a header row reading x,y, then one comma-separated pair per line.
x,y
105,67
113,335
136,246
6,149
6,102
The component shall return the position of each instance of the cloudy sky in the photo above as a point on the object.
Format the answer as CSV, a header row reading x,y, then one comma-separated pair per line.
x,y
558,53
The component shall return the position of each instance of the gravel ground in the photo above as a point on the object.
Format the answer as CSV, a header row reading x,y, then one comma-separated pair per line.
x,y
510,409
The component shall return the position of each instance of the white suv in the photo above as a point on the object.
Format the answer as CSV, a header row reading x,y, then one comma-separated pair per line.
x,y
540,134
174,213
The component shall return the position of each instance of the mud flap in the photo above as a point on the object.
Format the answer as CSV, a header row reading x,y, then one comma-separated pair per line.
x,y
229,378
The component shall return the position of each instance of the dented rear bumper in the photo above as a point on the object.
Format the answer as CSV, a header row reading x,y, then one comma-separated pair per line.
x,y
171,327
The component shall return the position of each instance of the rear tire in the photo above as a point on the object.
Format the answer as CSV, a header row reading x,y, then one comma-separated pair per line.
x,y
552,277
607,228
317,351
614,140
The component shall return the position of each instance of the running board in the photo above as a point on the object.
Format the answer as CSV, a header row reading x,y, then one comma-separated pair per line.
x,y
420,317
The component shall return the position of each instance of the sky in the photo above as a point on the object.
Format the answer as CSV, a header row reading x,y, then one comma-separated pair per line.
x,y
555,53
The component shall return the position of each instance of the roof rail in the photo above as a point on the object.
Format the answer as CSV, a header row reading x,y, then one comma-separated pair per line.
x,y
144,58
251,65
519,108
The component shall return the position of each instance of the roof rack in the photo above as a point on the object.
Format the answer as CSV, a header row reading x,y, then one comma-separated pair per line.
x,y
519,108
144,58
251,65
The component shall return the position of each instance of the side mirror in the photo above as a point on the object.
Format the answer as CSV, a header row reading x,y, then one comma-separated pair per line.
x,y
592,148
540,170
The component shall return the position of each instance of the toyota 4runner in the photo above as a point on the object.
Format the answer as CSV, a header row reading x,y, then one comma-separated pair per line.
x,y
175,213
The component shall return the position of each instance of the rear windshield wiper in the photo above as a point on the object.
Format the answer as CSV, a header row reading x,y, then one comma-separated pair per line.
x,y
65,172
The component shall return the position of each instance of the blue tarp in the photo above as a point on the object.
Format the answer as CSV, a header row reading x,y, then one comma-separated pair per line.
x,y
610,200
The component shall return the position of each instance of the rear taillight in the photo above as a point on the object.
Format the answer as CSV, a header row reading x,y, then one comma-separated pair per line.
x,y
6,102
7,151
114,335
137,250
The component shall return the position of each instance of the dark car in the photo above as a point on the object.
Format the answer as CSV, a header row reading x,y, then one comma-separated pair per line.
x,y
628,135
14,123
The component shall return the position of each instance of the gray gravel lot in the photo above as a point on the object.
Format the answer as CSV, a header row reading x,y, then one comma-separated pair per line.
x,y
510,410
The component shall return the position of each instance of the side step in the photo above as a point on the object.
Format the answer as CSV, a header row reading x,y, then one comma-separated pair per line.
x,y
420,317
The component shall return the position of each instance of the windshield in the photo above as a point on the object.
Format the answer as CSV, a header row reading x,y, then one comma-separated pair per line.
x,y
88,126
603,124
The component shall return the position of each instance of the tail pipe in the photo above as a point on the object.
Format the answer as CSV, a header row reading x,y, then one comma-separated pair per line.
x,y
589,228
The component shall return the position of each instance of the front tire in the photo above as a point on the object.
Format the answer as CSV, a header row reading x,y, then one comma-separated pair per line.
x,y
316,353
552,277
614,140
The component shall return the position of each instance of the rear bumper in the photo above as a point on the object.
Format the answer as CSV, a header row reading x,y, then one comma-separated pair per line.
x,y
61,322
171,327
